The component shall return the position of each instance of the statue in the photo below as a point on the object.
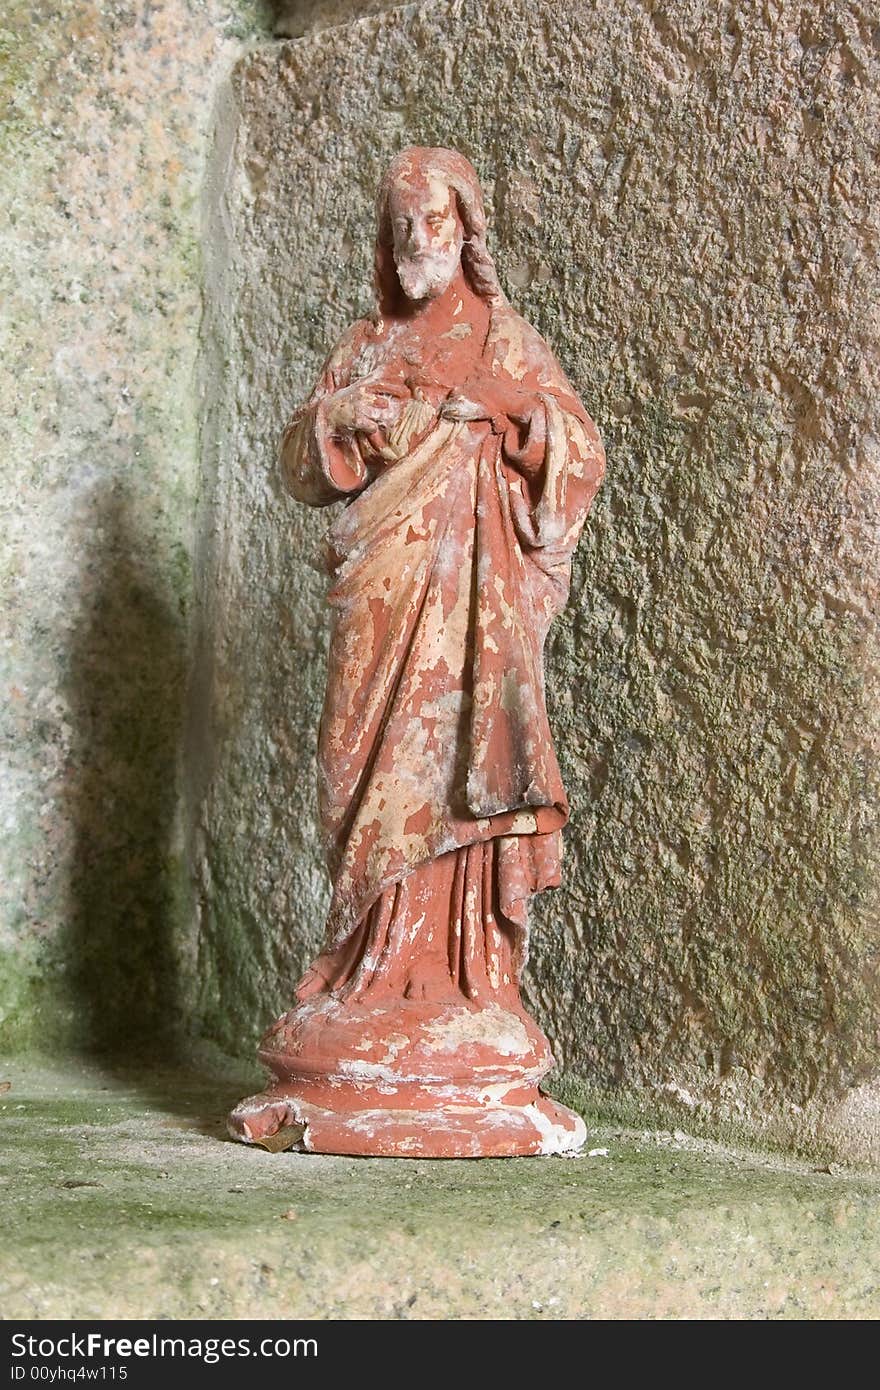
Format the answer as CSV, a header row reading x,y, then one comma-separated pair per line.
x,y
467,466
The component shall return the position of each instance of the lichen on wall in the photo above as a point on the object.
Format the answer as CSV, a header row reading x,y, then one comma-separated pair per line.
x,y
681,199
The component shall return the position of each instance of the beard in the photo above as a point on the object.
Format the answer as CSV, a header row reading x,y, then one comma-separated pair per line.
x,y
427,276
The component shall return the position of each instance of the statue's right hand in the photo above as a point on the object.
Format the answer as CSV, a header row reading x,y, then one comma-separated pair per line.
x,y
363,407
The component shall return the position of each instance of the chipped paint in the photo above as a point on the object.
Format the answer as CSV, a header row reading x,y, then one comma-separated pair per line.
x,y
467,466
490,1026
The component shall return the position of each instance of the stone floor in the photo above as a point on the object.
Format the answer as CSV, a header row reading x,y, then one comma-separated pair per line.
x,y
122,1198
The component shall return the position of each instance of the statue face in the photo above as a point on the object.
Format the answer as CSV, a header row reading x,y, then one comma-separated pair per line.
x,y
428,236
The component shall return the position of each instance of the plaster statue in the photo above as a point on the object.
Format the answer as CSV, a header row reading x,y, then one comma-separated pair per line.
x,y
467,466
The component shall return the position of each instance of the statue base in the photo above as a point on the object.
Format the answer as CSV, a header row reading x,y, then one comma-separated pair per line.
x,y
407,1078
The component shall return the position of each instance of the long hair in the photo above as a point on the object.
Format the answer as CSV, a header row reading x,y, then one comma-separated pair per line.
x,y
460,176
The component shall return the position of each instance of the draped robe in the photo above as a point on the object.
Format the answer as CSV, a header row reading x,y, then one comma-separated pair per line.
x,y
440,796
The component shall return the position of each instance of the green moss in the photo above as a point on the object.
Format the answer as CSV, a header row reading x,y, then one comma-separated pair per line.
x,y
170,1220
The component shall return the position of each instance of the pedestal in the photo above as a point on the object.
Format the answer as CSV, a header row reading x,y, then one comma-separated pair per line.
x,y
409,1079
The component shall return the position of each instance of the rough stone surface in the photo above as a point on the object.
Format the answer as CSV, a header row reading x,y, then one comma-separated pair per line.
x,y
683,202
106,111
121,1199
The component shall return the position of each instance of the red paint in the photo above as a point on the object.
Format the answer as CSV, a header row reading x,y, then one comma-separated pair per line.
x,y
468,466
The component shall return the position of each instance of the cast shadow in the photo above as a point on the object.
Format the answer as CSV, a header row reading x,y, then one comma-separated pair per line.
x,y
129,924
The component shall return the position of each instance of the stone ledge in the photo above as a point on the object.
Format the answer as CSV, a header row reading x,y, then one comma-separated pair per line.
x,y
125,1200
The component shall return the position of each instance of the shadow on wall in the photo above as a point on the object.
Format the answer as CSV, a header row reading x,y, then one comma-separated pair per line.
x,y
126,680
293,18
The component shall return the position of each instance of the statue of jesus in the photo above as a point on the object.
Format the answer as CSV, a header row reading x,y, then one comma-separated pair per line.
x,y
466,465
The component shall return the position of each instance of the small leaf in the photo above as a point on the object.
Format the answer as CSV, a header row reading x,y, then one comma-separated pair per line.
x,y
282,1139
290,1215
4,1087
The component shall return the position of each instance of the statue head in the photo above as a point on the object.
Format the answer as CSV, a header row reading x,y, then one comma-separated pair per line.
x,y
431,219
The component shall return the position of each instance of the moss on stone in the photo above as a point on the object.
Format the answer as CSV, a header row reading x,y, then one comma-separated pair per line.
x,y
124,1199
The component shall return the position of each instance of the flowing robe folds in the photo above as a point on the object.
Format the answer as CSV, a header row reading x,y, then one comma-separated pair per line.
x,y
440,795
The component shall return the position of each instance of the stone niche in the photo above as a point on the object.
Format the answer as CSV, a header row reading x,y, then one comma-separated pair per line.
x,y
681,199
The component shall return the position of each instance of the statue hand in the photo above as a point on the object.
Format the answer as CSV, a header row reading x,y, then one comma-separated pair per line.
x,y
458,407
486,397
363,407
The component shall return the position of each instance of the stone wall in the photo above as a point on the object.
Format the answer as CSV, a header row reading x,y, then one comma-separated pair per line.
x,y
106,116
682,200
683,203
